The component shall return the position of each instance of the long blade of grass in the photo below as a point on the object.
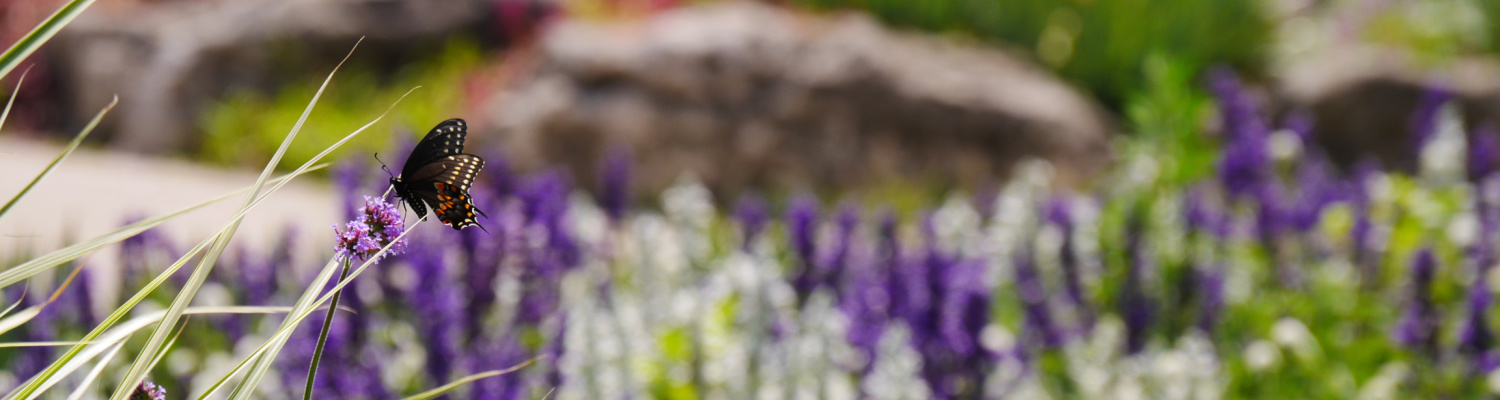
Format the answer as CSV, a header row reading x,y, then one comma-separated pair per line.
x,y
37,265
140,295
4,115
77,140
263,364
11,322
88,380
41,344
439,391
20,317
17,303
302,303
39,35
277,340
128,328
200,273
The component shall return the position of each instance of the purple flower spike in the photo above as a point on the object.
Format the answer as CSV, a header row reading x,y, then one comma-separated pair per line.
x,y
1424,120
1484,153
1476,338
1212,303
378,225
752,214
802,227
1137,308
1060,214
1418,326
614,184
149,391
1040,329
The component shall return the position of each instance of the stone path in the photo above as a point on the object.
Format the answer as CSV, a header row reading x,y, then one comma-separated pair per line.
x,y
93,191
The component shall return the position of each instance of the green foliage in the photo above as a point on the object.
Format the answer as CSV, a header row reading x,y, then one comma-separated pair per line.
x,y
1101,44
246,127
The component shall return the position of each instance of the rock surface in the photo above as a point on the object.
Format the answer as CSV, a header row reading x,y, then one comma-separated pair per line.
x,y
1363,99
746,94
168,61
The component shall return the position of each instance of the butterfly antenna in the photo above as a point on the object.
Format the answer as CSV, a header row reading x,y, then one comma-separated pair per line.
x,y
382,165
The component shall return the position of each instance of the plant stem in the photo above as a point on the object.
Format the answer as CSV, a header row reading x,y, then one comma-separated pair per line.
x,y
333,305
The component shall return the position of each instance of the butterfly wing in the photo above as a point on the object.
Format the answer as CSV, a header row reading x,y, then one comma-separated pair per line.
x,y
445,185
445,139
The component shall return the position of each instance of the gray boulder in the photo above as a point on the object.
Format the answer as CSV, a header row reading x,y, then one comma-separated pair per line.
x,y
745,94
169,60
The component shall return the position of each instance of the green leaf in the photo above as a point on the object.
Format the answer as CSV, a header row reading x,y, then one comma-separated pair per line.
x,y
140,295
39,35
4,115
200,274
123,332
465,380
77,140
88,380
261,366
285,331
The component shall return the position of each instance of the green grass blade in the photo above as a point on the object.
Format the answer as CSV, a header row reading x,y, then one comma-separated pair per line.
x,y
4,115
77,140
439,391
20,318
189,290
262,365
140,295
302,303
88,380
17,303
37,265
41,344
39,35
128,328
277,340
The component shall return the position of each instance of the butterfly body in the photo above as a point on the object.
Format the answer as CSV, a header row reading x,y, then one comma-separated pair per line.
x,y
439,173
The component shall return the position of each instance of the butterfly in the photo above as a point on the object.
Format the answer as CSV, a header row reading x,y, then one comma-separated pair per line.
x,y
439,173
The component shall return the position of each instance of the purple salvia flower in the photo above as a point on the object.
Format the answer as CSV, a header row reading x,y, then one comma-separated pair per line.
x,y
483,254
434,299
866,303
614,184
1211,305
1476,338
544,199
1245,161
1270,215
498,172
1484,153
82,300
1424,120
1243,166
149,391
1317,190
1059,213
752,214
1136,306
1239,112
831,266
1040,329
1300,124
802,227
378,224
1418,326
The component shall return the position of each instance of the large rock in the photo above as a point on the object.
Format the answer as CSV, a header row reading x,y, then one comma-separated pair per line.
x,y
746,94
169,60
1364,98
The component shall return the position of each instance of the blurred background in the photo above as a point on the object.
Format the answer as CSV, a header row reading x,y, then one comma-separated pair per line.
x,y
1291,153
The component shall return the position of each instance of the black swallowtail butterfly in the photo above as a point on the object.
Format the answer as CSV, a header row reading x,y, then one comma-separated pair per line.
x,y
439,173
